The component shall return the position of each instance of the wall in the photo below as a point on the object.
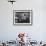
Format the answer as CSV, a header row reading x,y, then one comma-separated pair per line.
x,y
37,31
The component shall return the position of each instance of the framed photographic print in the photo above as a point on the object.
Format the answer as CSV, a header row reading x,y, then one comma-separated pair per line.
x,y
22,17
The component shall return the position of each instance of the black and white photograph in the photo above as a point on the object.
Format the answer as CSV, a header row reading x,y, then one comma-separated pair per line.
x,y
22,16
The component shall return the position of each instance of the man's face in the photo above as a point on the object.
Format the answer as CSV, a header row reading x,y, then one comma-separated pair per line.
x,y
24,16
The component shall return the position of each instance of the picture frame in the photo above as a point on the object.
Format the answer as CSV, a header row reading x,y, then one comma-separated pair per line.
x,y
22,17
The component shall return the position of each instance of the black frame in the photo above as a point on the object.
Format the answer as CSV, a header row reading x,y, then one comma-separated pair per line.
x,y
31,17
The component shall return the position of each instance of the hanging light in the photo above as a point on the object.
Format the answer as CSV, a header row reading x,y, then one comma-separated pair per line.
x,y
12,1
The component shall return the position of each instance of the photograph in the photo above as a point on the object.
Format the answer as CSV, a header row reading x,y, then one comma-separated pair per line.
x,y
22,22
22,16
